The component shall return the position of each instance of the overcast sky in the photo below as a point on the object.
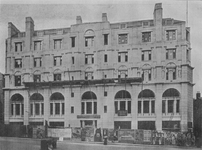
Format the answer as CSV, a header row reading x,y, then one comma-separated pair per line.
x,y
58,14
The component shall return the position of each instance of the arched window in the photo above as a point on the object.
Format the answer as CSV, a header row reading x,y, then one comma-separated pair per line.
x,y
171,101
146,102
17,105
57,75
89,38
122,72
36,105
89,74
57,105
37,76
146,72
122,103
171,71
89,103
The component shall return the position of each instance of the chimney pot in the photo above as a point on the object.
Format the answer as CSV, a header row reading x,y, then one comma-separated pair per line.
x,y
78,20
104,17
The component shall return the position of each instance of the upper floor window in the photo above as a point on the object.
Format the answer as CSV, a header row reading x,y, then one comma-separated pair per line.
x,y
170,35
123,38
89,59
146,36
18,80
72,59
73,41
89,76
105,39
89,41
146,55
171,53
58,44
37,78
37,62
57,60
57,77
105,57
18,47
187,35
37,45
123,57
171,74
18,63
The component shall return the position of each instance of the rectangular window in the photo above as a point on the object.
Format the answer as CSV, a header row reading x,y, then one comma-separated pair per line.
x,y
18,80
152,106
95,107
37,78
105,93
37,45
18,47
170,35
139,107
73,41
123,57
51,108
116,107
72,60
145,106
72,109
57,108
89,41
63,108
83,108
105,109
177,106
163,106
17,109
129,107
37,62
105,39
170,106
42,108
89,59
146,36
18,63
57,60
105,58
89,107
174,74
57,77
58,44
72,94
22,109
146,55
187,35
36,108
171,54
123,38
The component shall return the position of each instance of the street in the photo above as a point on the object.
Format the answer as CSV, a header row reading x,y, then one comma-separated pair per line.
x,y
7,143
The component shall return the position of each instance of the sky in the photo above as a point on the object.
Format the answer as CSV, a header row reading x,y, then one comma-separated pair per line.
x,y
48,14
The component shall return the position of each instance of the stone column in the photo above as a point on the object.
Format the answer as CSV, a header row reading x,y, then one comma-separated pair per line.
x,y
46,104
158,106
26,107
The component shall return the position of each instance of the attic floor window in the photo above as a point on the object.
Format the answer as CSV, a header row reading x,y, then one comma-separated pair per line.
x,y
123,38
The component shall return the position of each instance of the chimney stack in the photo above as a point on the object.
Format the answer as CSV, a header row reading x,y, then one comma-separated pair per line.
x,y
198,95
78,20
104,17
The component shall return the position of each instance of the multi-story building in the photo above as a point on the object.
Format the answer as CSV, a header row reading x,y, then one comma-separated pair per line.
x,y
134,74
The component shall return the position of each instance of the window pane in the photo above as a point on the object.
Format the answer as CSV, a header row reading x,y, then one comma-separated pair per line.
x,y
122,105
178,106
72,109
152,106
170,106
105,109
42,108
17,109
37,109
12,106
22,109
163,106
89,107
63,108
57,108
105,39
51,108
82,108
116,107
145,106
123,39
129,107
139,107
95,107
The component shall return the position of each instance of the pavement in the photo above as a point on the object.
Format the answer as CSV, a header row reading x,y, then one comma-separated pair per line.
x,y
13,143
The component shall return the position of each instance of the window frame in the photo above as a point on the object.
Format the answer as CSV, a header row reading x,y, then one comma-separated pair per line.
x,y
123,41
